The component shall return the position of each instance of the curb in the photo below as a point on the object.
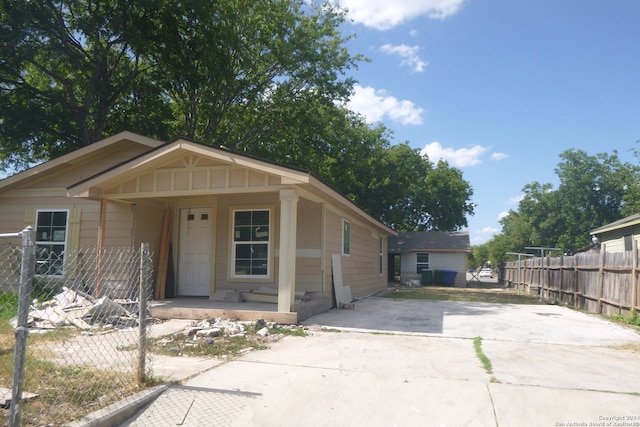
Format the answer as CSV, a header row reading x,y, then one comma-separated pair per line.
x,y
117,413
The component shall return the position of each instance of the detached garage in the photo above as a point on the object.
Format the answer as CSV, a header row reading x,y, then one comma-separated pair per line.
x,y
412,252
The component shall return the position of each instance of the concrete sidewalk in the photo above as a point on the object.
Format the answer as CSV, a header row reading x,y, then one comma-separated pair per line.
x,y
552,366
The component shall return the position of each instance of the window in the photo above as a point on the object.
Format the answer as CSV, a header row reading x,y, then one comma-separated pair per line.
x,y
251,243
422,262
346,237
628,242
51,241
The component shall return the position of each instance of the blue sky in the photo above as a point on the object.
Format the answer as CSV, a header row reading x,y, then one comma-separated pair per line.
x,y
499,88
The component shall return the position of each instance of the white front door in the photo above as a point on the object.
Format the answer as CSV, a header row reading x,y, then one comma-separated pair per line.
x,y
194,270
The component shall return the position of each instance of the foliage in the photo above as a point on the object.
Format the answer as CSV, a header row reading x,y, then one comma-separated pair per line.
x,y
486,363
632,319
592,191
265,78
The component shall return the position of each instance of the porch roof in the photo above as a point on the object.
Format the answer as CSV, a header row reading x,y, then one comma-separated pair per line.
x,y
183,157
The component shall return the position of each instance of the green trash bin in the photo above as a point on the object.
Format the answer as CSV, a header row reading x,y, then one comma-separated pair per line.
x,y
438,277
427,277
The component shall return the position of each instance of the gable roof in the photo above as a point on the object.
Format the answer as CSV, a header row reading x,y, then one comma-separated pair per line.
x,y
616,225
178,148
76,156
162,153
430,241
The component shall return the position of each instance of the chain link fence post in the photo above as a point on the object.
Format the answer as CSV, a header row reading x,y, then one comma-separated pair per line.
x,y
145,273
27,271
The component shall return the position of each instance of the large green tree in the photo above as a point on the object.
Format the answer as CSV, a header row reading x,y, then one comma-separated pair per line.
x,y
223,71
264,77
68,76
593,190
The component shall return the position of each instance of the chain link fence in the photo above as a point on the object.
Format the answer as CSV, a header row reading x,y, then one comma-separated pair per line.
x,y
73,329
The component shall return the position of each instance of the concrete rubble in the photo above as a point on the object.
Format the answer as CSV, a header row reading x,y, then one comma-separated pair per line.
x,y
73,308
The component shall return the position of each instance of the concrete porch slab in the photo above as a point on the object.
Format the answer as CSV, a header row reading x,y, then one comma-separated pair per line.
x,y
201,308
204,308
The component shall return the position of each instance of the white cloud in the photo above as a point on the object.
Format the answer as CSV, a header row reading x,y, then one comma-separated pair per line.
x,y
375,105
483,235
385,14
461,157
409,55
499,156
503,214
515,199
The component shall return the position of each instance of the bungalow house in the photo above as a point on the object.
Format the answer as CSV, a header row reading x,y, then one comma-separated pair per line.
x,y
233,222
618,236
416,251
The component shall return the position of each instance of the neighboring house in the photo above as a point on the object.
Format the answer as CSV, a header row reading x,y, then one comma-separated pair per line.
x,y
618,236
429,250
237,222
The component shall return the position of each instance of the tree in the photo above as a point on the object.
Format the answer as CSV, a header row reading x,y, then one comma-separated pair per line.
x,y
591,194
263,77
593,191
68,75
223,72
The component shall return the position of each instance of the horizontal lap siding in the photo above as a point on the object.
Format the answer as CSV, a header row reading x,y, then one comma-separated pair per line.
x,y
309,247
360,269
223,243
308,243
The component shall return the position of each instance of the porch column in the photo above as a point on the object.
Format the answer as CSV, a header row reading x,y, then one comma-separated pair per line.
x,y
287,262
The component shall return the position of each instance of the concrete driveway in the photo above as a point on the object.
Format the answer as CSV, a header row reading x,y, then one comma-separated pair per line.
x,y
412,363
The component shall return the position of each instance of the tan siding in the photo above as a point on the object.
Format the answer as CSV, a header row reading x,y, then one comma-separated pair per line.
x,y
223,248
309,244
360,270
93,164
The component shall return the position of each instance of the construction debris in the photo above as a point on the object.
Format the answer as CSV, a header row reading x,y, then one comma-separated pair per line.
x,y
5,397
72,308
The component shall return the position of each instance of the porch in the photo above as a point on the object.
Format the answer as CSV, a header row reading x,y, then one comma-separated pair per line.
x,y
204,308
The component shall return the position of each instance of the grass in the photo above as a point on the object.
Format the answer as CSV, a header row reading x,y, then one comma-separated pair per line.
x,y
484,360
64,393
488,293
486,363
68,392
632,319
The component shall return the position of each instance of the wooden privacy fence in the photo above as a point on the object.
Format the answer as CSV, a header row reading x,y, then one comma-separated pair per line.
x,y
598,282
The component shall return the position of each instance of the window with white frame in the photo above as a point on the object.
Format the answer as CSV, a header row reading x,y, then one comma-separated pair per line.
x,y
422,262
251,243
346,237
51,241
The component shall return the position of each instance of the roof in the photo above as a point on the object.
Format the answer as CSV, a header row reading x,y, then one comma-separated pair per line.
x,y
158,153
72,158
432,241
616,225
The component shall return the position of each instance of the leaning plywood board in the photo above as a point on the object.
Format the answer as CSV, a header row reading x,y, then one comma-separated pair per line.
x,y
343,293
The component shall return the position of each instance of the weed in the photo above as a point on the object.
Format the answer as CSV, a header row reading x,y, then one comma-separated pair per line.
x,y
632,319
486,363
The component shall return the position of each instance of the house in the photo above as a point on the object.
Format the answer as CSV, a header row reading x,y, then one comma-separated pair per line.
x,y
415,251
237,223
618,236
